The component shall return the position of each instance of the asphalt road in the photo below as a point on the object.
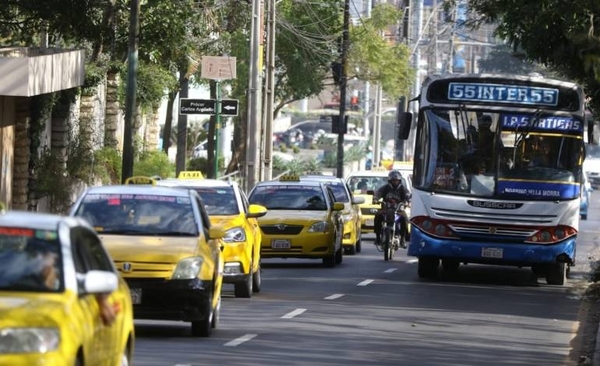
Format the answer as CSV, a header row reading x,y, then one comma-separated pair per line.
x,y
371,312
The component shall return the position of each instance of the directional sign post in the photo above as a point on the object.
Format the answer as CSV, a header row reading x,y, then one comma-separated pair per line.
x,y
229,107
220,68
197,106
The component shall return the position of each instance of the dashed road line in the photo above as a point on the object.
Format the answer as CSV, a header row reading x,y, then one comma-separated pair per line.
x,y
292,314
390,270
334,296
365,283
240,340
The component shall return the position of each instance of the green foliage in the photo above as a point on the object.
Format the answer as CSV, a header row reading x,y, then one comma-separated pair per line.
x,y
108,164
558,34
313,165
372,58
53,182
154,162
199,164
306,45
296,149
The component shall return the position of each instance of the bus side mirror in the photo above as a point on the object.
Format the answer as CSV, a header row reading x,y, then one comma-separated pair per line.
x,y
403,122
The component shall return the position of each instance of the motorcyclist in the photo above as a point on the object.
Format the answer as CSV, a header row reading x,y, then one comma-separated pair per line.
x,y
393,190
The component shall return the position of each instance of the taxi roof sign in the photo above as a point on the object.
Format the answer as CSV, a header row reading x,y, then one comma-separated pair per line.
x,y
190,175
140,180
289,178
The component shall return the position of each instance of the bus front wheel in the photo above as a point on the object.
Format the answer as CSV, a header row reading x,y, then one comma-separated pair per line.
x,y
428,267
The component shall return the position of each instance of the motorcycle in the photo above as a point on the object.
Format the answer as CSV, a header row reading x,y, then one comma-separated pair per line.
x,y
392,237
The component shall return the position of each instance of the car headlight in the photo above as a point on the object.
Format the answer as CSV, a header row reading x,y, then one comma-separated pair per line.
x,y
188,268
28,340
347,217
319,227
234,235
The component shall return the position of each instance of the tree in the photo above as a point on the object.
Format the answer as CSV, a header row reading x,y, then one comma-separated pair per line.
x,y
373,58
558,34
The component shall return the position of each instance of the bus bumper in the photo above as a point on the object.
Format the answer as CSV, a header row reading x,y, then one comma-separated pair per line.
x,y
519,254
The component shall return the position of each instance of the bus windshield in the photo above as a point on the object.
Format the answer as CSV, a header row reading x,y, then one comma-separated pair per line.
x,y
499,153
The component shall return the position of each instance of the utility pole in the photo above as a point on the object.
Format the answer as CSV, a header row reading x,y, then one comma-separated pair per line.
x,y
367,90
130,105
253,120
182,124
343,82
269,91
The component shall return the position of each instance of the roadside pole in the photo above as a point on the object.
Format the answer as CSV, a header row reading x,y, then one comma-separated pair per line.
x,y
343,82
217,128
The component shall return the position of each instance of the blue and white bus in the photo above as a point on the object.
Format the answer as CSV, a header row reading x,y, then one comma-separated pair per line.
x,y
497,173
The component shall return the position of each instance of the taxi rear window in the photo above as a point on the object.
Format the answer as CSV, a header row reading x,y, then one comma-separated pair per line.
x,y
219,201
30,260
130,214
292,197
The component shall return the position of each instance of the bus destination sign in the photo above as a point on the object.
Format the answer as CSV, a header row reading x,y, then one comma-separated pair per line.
x,y
498,93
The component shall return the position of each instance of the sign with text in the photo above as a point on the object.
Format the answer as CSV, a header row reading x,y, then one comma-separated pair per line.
x,y
229,107
197,106
218,68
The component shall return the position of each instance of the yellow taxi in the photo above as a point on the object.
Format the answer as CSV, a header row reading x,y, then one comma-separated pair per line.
x,y
363,181
62,302
303,220
351,214
228,207
164,245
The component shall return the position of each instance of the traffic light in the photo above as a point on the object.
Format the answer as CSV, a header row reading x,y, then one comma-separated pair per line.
x,y
335,124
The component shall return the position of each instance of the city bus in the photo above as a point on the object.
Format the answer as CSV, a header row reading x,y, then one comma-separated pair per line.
x,y
497,173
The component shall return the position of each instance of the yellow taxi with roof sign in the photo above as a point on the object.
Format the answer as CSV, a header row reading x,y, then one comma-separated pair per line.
x,y
303,220
228,207
352,216
163,243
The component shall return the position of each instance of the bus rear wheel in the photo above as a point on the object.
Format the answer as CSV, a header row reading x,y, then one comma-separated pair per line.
x,y
557,274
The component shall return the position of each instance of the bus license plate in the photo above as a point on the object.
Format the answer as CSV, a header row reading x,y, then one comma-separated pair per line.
x,y
136,295
281,244
492,252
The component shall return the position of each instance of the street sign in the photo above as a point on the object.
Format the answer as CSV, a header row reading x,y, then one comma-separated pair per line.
x,y
197,106
229,107
218,68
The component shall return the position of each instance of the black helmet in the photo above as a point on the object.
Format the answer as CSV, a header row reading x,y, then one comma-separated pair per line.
x,y
394,175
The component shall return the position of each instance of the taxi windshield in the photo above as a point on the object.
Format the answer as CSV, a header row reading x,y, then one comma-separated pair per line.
x,y
289,197
131,214
339,192
219,201
30,260
364,183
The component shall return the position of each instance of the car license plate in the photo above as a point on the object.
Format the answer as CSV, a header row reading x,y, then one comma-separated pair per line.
x,y
136,295
492,252
281,244
369,223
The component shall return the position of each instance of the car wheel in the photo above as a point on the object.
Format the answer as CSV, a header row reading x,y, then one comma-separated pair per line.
x,y
449,265
339,255
358,245
217,315
584,217
203,328
124,358
257,280
329,261
244,289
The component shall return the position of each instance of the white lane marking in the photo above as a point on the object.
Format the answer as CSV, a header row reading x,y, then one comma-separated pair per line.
x,y
365,282
240,340
390,270
182,364
413,260
334,296
292,314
